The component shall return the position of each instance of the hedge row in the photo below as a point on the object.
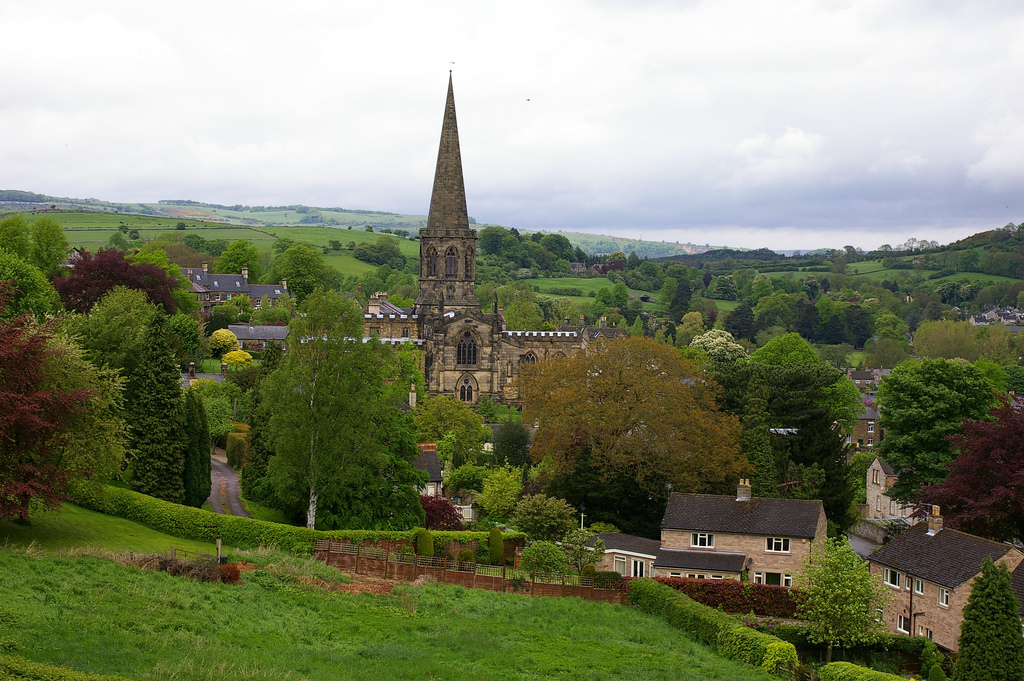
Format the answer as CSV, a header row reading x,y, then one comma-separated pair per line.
x,y
735,596
17,668
918,645
847,671
199,525
713,627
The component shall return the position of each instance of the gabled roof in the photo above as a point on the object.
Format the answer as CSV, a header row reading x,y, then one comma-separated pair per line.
x,y
258,332
628,542
870,414
947,558
716,561
428,461
886,468
767,517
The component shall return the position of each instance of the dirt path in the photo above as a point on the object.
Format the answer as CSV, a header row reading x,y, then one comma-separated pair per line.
x,y
224,489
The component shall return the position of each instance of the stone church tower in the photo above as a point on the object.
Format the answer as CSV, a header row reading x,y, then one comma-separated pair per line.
x,y
466,353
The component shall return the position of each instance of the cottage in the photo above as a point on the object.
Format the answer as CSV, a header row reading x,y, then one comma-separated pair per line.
x,y
256,336
428,461
880,478
213,289
719,537
929,570
866,431
628,555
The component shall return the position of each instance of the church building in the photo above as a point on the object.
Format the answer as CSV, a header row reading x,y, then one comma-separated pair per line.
x,y
466,353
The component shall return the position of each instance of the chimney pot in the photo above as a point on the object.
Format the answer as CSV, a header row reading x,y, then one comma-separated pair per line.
x,y
206,266
934,520
245,271
743,490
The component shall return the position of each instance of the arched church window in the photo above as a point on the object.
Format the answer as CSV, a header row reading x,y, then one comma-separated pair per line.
x,y
469,264
466,391
432,260
465,351
450,262
529,358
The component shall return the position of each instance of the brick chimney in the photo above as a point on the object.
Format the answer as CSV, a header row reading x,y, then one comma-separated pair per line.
x,y
191,369
934,520
743,490
245,272
223,368
206,266
284,284
603,324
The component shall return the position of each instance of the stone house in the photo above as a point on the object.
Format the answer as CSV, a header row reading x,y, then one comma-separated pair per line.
x,y
213,289
428,461
866,433
719,537
256,336
880,478
929,571
628,555
864,380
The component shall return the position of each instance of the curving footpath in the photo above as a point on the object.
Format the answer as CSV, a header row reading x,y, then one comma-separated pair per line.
x,y
224,489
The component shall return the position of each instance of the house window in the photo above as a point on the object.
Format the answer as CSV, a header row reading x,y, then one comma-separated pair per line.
x,y
892,507
405,333
787,580
871,426
871,441
774,578
619,565
925,631
849,439
465,352
902,624
717,576
702,539
638,568
758,578
675,574
918,586
694,575
892,578
878,504
944,598
874,477
777,544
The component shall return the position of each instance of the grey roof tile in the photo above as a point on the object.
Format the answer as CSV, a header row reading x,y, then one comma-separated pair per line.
x,y
722,561
719,513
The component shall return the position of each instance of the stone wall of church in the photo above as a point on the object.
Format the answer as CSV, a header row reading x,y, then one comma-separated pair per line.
x,y
448,265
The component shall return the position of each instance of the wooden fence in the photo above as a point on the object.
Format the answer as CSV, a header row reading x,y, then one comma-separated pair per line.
x,y
378,562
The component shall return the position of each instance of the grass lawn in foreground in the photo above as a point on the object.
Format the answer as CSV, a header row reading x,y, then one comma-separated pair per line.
x,y
75,527
96,616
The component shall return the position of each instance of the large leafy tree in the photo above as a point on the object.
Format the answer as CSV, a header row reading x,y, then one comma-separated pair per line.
x,y
156,419
544,517
237,254
922,403
30,291
305,269
839,597
991,647
339,439
94,276
633,405
984,491
55,419
49,245
461,429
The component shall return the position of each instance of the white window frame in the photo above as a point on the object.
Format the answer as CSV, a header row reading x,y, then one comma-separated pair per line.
x,y
878,504
943,597
618,561
902,624
919,586
871,442
874,476
770,544
871,426
676,574
787,580
849,439
892,578
695,575
704,540
638,568
717,576
758,578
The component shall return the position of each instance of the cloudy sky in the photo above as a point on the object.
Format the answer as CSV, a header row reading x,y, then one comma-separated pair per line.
x,y
748,123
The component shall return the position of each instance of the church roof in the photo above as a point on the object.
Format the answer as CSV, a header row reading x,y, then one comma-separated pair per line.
x,y
448,199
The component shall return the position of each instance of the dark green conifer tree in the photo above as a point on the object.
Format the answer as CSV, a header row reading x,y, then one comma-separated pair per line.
x,y
253,476
197,451
271,357
991,646
757,446
156,423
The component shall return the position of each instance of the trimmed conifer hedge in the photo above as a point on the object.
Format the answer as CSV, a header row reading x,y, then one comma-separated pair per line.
x,y
713,627
847,671
200,525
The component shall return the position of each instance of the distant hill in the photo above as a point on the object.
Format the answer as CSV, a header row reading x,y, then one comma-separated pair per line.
x,y
313,216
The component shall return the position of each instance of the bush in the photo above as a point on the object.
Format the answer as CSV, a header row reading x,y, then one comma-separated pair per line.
x,y
496,547
247,533
424,543
466,556
544,556
18,668
483,555
234,447
737,597
846,671
238,358
223,341
936,674
440,513
608,579
712,627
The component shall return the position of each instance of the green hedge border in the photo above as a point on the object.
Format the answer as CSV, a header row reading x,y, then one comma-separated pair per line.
x,y
713,627
197,524
847,671
17,669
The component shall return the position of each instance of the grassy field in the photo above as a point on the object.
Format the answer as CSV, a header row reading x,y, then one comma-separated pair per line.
x,y
97,616
73,527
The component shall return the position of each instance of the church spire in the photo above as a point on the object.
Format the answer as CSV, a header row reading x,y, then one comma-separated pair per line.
x,y
448,199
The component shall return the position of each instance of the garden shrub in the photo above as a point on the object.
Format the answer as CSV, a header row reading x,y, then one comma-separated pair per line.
x,y
847,671
19,668
936,674
483,554
713,627
196,524
424,543
496,546
544,556
466,556
234,448
588,571
608,579
738,597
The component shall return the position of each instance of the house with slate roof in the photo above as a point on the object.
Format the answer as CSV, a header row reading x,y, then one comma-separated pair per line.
x,y
628,555
256,336
719,537
880,478
929,570
213,289
428,461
